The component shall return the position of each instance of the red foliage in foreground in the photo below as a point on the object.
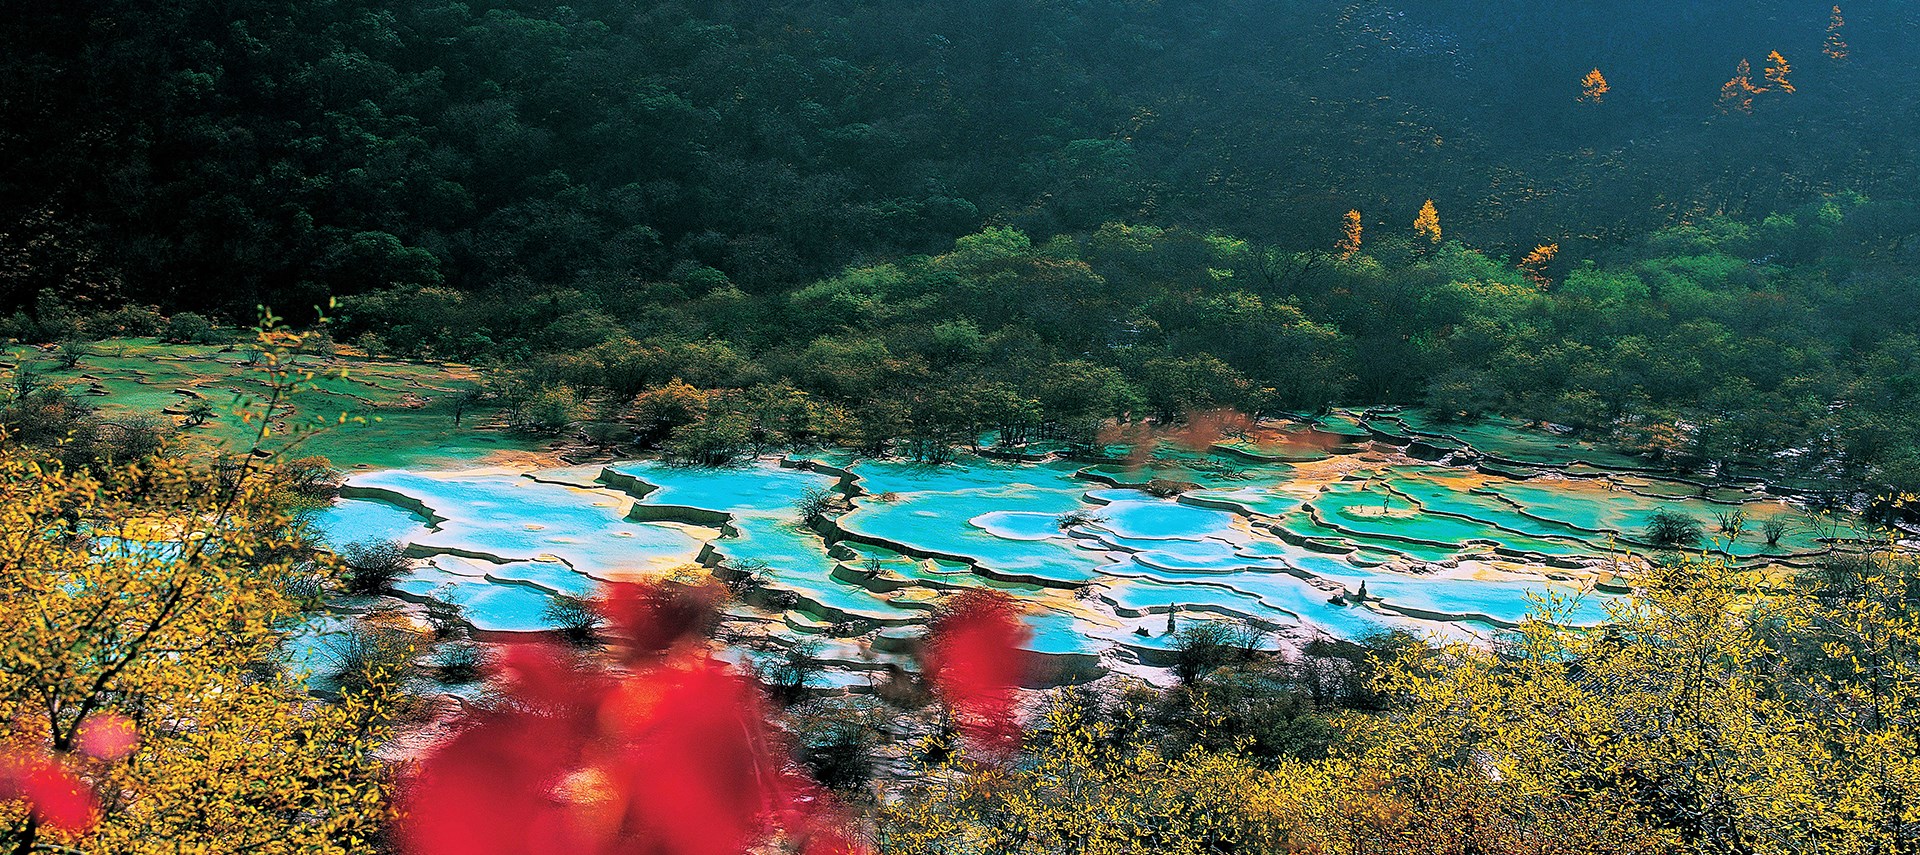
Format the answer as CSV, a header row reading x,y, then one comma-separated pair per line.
x,y
108,736
55,796
974,660
676,758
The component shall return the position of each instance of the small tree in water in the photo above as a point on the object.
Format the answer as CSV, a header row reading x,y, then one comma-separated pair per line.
x,y
1773,530
576,619
1672,530
814,505
72,351
373,567
1076,518
788,672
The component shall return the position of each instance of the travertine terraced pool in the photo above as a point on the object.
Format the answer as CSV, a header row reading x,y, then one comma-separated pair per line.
x,y
1287,527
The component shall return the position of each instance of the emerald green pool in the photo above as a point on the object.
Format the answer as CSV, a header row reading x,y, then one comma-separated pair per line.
x,y
357,413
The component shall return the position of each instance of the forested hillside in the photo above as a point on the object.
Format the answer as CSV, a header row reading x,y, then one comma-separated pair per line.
x,y
1150,201
207,155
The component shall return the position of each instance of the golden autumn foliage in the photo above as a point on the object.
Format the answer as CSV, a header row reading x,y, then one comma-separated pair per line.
x,y
1427,224
1738,92
1350,229
1721,710
1089,793
1534,265
161,599
1593,87
151,601
1777,71
1835,46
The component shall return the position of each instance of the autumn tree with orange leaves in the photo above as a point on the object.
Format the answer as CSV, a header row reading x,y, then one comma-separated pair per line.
x,y
1777,71
1738,92
1349,244
1593,87
1836,44
1534,265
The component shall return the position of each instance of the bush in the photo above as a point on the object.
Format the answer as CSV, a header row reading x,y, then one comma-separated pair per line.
x,y
1074,519
1673,530
132,439
714,440
787,672
1774,529
1258,712
1337,673
780,601
72,351
852,628
548,411
1167,488
744,577
446,617
1203,647
576,619
1732,523
459,664
197,412
814,504
126,321
311,479
840,755
371,655
308,590
374,566
189,328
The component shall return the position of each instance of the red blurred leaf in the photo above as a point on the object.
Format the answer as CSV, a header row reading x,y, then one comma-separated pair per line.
x,y
492,788
56,797
697,763
655,618
677,758
974,659
108,736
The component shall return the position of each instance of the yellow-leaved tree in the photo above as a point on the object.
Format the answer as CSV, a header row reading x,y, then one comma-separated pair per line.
x,y
1534,265
1835,46
139,678
1777,71
1350,229
1729,709
1427,223
1594,88
1737,93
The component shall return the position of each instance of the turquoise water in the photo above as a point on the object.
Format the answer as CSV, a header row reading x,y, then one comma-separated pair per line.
x,y
1446,551
360,521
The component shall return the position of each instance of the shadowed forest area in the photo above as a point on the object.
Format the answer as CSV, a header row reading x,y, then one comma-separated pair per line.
x,y
1151,200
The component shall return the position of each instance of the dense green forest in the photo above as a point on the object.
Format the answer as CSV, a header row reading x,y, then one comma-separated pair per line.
x,y
867,222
